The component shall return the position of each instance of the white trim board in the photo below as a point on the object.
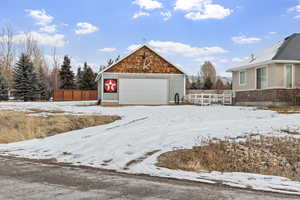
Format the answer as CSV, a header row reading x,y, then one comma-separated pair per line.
x,y
142,74
270,88
110,101
263,63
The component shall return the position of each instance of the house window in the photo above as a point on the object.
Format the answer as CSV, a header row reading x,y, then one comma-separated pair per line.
x,y
242,78
289,75
261,78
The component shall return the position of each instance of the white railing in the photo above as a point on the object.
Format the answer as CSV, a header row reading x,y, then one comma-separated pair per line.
x,y
208,99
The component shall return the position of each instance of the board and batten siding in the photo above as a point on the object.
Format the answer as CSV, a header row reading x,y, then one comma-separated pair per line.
x,y
175,83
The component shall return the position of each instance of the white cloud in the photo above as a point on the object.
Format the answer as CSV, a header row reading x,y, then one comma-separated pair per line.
x,y
166,15
56,40
148,4
223,60
134,47
75,62
245,40
177,48
212,11
85,28
140,14
202,9
41,16
295,9
188,5
48,29
239,59
272,33
203,59
108,49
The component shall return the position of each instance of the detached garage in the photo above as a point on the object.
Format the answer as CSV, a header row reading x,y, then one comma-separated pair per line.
x,y
141,78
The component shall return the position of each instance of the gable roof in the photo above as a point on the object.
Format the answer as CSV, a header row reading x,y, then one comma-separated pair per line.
x,y
142,46
285,50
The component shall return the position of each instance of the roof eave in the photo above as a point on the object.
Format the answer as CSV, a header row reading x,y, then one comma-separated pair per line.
x,y
244,67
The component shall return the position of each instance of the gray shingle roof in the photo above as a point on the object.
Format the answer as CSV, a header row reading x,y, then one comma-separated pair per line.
x,y
290,49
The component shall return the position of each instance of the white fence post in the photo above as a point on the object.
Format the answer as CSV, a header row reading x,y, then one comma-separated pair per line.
x,y
208,99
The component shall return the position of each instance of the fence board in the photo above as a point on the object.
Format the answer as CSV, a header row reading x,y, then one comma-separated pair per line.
x,y
58,95
85,95
93,95
74,95
77,95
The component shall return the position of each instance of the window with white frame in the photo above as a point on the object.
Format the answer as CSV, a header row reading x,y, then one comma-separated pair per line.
x,y
261,78
289,75
242,78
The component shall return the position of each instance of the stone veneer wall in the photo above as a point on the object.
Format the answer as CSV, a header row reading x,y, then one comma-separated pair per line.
x,y
268,97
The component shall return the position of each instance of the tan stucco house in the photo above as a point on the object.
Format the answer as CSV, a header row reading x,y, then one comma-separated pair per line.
x,y
271,77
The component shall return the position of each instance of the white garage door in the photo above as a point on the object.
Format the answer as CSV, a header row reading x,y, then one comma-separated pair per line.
x,y
143,91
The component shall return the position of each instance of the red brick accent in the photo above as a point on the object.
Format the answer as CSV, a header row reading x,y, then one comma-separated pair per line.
x,y
288,96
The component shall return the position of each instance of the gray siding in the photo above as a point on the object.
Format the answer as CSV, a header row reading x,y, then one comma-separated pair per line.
x,y
176,84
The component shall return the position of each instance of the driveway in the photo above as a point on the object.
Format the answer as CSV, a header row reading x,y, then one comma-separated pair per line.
x,y
21,179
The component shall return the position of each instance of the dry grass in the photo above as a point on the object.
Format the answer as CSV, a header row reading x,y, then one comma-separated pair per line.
x,y
140,159
283,109
18,126
37,110
264,155
290,131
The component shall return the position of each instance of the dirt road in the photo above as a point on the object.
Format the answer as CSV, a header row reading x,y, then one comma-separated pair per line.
x,y
21,179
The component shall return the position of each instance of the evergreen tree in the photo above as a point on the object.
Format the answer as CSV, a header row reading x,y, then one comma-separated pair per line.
x,y
66,75
118,58
110,62
208,84
26,83
79,78
88,79
43,88
3,89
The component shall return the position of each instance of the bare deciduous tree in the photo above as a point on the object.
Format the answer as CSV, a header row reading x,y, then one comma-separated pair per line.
x,y
32,49
7,52
54,75
219,84
208,71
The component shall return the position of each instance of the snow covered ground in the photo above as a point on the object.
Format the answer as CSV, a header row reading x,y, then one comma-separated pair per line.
x,y
146,129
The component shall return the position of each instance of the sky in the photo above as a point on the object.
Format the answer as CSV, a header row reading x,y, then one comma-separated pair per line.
x,y
186,32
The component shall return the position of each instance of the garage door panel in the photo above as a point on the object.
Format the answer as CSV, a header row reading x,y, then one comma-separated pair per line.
x,y
143,91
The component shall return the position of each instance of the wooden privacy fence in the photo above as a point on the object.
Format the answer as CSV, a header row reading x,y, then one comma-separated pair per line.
x,y
74,95
208,99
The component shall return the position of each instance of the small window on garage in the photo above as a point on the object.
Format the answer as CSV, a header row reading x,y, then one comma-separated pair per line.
x,y
242,78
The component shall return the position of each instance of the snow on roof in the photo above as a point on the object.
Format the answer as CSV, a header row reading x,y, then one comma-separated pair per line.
x,y
261,57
